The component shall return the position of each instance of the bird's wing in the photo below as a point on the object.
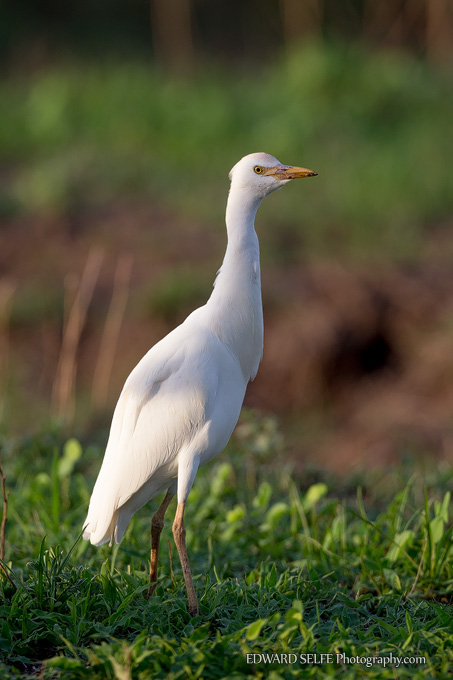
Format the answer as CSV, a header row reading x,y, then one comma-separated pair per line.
x,y
164,402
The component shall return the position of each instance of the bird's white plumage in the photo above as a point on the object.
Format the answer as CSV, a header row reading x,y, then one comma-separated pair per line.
x,y
176,411
182,401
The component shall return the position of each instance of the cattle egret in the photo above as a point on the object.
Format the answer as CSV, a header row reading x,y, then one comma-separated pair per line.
x,y
182,401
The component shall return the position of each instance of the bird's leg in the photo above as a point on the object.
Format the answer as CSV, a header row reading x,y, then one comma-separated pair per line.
x,y
157,524
179,534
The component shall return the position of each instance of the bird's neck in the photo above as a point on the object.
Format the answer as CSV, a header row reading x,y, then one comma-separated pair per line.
x,y
236,309
240,219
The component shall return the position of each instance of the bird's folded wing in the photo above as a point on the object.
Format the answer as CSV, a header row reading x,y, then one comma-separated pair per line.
x,y
157,413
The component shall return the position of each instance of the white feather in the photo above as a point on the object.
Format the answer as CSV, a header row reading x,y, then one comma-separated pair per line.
x,y
182,401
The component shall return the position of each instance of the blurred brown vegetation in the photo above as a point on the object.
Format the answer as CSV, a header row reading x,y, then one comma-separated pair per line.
x,y
358,360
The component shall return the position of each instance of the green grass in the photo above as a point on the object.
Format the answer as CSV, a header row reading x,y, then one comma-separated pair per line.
x,y
279,567
373,125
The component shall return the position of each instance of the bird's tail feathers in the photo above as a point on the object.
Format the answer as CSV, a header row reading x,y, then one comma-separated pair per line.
x,y
99,531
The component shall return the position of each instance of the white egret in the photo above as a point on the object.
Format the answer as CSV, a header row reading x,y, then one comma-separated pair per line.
x,y
182,401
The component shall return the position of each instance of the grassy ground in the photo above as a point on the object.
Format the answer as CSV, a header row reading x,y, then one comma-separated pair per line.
x,y
279,569
280,566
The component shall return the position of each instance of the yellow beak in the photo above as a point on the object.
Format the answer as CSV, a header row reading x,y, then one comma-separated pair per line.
x,y
290,172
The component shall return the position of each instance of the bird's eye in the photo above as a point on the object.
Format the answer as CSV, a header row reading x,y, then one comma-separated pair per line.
x,y
258,169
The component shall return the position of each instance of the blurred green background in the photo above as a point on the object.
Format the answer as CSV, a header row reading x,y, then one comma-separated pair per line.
x,y
119,124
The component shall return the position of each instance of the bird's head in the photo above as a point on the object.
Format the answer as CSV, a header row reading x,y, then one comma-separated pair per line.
x,y
261,174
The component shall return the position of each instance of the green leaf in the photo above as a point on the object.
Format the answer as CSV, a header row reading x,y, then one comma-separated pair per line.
x,y
263,495
399,543
272,577
72,451
254,629
65,663
313,495
392,579
275,513
224,472
409,624
236,514
437,529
